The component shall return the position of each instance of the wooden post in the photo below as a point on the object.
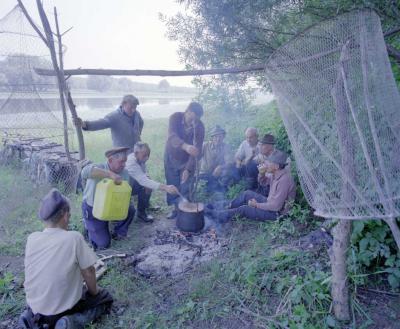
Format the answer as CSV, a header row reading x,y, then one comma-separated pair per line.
x,y
60,78
67,92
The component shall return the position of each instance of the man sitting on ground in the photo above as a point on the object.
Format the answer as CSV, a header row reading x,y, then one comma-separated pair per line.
x,y
142,185
246,152
255,206
114,168
216,164
57,262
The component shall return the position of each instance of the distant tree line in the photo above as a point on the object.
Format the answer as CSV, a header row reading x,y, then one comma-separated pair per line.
x,y
17,74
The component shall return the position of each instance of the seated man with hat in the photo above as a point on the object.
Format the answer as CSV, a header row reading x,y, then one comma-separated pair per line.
x,y
266,147
217,163
114,168
256,206
57,263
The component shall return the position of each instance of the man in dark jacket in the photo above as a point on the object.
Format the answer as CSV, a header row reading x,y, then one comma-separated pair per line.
x,y
183,150
125,123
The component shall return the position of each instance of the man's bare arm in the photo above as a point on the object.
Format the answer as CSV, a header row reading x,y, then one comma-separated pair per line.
x,y
89,275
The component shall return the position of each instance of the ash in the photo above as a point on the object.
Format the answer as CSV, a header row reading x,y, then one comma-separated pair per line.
x,y
174,252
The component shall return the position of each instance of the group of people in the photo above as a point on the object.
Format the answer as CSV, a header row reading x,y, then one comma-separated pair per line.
x,y
60,282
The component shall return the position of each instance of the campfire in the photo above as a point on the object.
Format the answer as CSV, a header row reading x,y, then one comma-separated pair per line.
x,y
174,252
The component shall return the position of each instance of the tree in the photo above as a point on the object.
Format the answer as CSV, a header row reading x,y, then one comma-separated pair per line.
x,y
164,85
99,83
240,33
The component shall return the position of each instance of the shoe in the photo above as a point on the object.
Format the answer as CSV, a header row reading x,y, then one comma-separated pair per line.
x,y
144,217
25,320
65,322
117,237
154,208
173,214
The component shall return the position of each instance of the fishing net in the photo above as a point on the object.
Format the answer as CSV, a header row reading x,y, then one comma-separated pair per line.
x,y
31,121
341,108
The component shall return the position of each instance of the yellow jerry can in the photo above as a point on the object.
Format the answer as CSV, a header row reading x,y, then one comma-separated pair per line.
x,y
111,201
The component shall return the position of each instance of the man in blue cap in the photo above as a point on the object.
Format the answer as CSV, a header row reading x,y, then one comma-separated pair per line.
x,y
57,263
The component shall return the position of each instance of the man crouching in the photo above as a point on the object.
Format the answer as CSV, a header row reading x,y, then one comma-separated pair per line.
x,y
98,230
57,263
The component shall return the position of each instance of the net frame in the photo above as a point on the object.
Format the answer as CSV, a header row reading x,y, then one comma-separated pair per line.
x,y
339,103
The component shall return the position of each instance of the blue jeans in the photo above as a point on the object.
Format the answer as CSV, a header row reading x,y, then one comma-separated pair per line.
x,y
98,231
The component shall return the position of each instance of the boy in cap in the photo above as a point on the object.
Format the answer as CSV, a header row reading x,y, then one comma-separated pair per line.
x,y
57,263
183,150
216,162
125,123
256,206
114,168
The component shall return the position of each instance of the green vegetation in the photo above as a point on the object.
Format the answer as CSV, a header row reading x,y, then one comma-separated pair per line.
x,y
262,280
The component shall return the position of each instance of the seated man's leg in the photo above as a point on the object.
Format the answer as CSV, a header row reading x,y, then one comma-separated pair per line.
x,y
121,227
251,175
247,212
87,310
244,197
98,232
143,195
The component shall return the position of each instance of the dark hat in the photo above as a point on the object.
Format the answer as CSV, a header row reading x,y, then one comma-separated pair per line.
x,y
267,139
196,108
116,150
217,130
130,99
51,203
278,157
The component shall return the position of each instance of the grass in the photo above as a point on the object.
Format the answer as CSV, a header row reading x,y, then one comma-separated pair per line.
x,y
260,281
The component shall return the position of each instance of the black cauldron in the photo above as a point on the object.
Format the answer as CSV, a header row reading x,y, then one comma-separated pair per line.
x,y
190,216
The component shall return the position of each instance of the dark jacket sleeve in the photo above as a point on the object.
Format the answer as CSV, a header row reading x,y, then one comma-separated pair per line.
x,y
141,125
99,124
173,131
199,132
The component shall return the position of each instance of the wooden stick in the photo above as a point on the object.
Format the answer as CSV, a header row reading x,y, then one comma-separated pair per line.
x,y
30,20
161,73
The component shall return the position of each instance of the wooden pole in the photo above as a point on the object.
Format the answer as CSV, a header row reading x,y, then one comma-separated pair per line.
x,y
160,73
67,92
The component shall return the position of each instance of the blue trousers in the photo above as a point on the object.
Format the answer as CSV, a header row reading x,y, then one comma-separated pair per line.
x,y
143,195
173,177
239,207
98,231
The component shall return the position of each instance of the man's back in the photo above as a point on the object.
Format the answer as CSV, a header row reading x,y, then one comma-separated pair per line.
x,y
53,262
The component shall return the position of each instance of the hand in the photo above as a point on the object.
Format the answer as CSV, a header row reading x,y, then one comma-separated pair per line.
x,y
252,203
171,189
116,178
79,123
191,150
185,176
217,171
262,169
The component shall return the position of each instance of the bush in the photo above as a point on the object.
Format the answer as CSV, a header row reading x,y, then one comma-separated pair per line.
x,y
374,251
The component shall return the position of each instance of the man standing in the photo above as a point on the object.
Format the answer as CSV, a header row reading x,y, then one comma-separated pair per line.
x,y
125,123
114,168
257,207
216,162
183,150
142,185
57,262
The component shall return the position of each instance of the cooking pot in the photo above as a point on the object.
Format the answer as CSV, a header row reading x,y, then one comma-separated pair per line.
x,y
190,216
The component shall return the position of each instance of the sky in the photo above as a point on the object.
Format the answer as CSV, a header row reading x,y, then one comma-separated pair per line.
x,y
118,34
